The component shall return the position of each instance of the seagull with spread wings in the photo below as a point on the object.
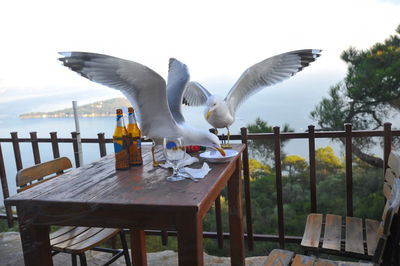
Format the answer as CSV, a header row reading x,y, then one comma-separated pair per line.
x,y
157,104
220,113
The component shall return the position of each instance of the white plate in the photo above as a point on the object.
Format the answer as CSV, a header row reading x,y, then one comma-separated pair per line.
x,y
216,157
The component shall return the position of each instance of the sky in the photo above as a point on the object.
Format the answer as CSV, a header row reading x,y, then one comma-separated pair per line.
x,y
218,40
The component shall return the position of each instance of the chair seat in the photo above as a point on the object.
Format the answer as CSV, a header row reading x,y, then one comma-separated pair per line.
x,y
280,257
350,233
75,240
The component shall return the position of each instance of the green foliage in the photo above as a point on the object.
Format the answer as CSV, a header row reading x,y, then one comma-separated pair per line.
x,y
263,150
367,96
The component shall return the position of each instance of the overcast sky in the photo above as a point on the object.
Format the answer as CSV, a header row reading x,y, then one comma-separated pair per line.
x,y
218,40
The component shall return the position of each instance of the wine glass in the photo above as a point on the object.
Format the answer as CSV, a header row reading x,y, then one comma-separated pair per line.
x,y
174,152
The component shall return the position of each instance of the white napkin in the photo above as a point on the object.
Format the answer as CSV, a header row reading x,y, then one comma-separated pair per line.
x,y
197,173
188,160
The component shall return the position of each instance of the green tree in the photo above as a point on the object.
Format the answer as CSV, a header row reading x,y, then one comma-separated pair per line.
x,y
367,96
263,150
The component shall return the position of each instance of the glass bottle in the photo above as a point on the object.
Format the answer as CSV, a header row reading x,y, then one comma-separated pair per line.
x,y
119,140
135,146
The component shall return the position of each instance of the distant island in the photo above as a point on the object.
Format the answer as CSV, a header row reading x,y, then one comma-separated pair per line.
x,y
100,108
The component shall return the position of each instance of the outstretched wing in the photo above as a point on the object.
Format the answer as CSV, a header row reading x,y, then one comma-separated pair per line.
x,y
195,94
268,72
143,87
178,77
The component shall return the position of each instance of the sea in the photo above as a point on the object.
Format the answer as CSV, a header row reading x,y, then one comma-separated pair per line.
x,y
284,103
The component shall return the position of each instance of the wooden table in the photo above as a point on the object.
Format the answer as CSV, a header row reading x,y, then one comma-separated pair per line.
x,y
139,198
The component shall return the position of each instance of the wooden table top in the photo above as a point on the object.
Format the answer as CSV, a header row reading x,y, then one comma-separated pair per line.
x,y
140,187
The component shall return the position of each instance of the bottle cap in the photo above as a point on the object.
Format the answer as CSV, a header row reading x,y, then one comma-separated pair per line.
x,y
119,111
130,109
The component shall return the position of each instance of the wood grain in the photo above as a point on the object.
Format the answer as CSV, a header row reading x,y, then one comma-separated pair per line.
x,y
138,245
394,163
38,171
333,232
301,260
279,257
312,232
139,198
354,235
371,229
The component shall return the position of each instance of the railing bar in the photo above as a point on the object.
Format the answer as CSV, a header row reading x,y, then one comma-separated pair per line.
x,y
279,196
349,170
387,148
75,146
213,235
164,237
35,147
218,221
102,144
313,182
4,186
17,152
246,177
54,145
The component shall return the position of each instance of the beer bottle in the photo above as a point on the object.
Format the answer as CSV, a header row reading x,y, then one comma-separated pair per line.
x,y
119,136
135,147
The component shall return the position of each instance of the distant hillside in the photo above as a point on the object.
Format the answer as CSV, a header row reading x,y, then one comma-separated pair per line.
x,y
100,108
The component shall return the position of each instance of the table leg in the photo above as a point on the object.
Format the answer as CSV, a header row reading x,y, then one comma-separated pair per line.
x,y
34,239
190,240
236,229
138,247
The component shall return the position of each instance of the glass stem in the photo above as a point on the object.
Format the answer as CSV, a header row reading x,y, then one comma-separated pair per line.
x,y
175,170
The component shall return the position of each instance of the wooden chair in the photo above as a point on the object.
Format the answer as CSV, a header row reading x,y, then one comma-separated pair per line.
x,y
71,239
386,241
355,231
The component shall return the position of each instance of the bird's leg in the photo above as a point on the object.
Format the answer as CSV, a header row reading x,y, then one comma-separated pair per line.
x,y
155,163
227,145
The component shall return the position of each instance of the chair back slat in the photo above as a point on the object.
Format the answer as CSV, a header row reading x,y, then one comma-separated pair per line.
x,y
26,177
386,190
389,176
394,163
391,208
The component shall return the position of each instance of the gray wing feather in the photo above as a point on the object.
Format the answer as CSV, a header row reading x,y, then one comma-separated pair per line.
x,y
195,94
143,87
268,72
178,77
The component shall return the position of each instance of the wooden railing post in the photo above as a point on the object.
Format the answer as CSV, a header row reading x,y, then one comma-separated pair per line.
x,y
102,144
349,170
387,147
54,145
75,146
279,193
17,151
313,182
35,147
4,186
246,178
218,221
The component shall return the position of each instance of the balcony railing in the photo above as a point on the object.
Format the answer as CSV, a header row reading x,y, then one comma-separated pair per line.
x,y
311,135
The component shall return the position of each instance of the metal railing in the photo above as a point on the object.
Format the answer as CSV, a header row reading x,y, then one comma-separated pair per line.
x,y
311,135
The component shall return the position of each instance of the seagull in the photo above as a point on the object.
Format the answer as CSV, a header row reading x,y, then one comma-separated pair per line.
x,y
158,106
220,113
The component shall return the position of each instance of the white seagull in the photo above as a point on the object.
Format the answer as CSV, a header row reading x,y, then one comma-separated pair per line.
x,y
220,113
158,107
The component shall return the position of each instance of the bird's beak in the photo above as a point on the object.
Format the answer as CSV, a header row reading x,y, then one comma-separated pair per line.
x,y
221,151
208,114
